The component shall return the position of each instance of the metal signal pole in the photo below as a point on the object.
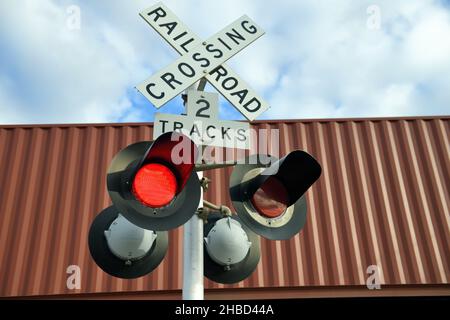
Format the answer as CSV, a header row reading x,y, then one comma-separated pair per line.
x,y
193,288
193,256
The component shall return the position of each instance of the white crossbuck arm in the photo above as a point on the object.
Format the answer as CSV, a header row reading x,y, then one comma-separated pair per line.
x,y
202,59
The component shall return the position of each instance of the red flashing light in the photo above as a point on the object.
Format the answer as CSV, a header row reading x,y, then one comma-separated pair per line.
x,y
271,199
155,185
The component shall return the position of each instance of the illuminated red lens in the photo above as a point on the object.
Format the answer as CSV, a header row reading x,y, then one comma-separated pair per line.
x,y
155,185
271,199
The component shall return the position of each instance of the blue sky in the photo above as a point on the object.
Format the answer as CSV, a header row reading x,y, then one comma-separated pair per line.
x,y
318,59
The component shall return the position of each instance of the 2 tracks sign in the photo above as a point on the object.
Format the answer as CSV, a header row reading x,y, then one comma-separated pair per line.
x,y
202,124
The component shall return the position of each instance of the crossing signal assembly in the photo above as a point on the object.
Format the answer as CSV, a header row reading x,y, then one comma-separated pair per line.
x,y
268,194
123,249
153,183
232,250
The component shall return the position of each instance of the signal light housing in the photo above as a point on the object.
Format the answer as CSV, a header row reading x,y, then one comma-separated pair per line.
x,y
268,194
232,250
153,183
131,252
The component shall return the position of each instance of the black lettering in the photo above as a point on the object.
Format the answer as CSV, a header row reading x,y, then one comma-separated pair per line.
x,y
163,125
234,83
210,48
223,42
194,129
221,71
169,78
169,25
206,107
180,35
225,133
159,12
241,94
183,66
177,125
234,36
250,29
258,105
207,132
197,57
184,44
160,96
241,133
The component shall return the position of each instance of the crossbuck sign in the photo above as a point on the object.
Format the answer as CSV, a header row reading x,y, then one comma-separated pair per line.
x,y
202,59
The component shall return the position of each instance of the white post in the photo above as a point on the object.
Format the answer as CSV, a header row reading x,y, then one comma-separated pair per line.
x,y
193,250
193,256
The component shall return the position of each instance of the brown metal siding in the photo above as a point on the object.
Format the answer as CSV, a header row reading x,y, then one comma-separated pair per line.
x,y
383,199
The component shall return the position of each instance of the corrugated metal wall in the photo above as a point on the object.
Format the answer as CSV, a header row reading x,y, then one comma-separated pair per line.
x,y
383,199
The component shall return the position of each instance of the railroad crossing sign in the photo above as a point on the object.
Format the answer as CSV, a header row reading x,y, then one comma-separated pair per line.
x,y
202,59
153,192
202,124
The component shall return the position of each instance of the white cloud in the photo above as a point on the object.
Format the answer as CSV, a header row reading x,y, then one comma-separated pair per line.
x,y
343,69
397,99
317,59
62,75
427,47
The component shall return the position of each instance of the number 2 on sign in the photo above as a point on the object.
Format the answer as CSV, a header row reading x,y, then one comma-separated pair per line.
x,y
202,104
206,107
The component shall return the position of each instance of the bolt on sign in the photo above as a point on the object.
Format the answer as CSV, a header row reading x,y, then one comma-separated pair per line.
x,y
202,59
202,124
